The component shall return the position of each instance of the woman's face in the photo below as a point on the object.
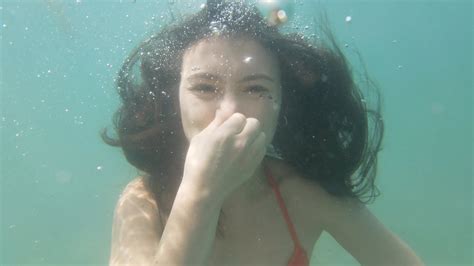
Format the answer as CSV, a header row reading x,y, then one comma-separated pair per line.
x,y
233,75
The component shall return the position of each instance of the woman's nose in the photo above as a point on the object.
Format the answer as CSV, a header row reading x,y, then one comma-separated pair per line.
x,y
229,104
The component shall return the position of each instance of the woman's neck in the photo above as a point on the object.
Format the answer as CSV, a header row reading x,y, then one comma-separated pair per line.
x,y
251,191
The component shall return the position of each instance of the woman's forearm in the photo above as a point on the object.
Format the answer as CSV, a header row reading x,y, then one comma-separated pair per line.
x,y
189,233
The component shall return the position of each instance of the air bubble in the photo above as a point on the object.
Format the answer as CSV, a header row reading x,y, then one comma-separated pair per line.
x,y
277,12
324,78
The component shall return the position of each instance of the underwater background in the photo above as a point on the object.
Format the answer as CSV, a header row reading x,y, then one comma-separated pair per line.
x,y
59,182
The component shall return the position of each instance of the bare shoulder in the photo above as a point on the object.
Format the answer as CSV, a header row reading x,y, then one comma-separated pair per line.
x,y
316,203
299,188
305,196
136,195
309,197
136,228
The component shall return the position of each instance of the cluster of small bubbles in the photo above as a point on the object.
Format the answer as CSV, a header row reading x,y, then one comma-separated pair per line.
x,y
78,120
217,27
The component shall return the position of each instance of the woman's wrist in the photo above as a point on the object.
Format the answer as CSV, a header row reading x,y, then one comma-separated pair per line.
x,y
200,197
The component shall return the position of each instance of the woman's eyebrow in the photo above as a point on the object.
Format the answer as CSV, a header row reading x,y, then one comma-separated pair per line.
x,y
256,77
208,76
214,77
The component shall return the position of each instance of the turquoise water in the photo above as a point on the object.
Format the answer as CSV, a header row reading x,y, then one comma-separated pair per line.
x,y
59,182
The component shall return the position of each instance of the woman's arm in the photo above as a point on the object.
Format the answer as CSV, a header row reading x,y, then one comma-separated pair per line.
x,y
138,238
358,231
190,231
136,228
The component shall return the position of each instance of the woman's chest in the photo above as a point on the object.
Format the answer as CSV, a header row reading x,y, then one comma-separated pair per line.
x,y
263,237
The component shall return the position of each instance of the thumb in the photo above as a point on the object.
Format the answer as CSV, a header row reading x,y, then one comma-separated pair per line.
x,y
219,118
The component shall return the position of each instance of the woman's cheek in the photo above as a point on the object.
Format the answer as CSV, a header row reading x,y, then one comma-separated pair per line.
x,y
200,116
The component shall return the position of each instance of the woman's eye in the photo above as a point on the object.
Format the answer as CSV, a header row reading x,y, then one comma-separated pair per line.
x,y
256,89
203,88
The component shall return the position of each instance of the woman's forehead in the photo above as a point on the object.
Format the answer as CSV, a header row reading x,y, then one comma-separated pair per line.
x,y
224,55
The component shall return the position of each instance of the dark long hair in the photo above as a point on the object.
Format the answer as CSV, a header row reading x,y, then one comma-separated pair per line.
x,y
326,130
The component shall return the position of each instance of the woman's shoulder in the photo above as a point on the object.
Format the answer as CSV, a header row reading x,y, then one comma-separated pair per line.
x,y
137,193
299,190
288,177
137,186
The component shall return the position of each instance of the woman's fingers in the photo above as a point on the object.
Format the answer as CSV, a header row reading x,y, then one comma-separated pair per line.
x,y
250,132
245,130
217,121
227,124
233,125
258,149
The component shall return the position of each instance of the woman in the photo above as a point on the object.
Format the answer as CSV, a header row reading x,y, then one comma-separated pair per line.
x,y
250,143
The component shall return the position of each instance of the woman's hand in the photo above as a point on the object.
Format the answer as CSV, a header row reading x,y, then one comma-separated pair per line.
x,y
224,155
